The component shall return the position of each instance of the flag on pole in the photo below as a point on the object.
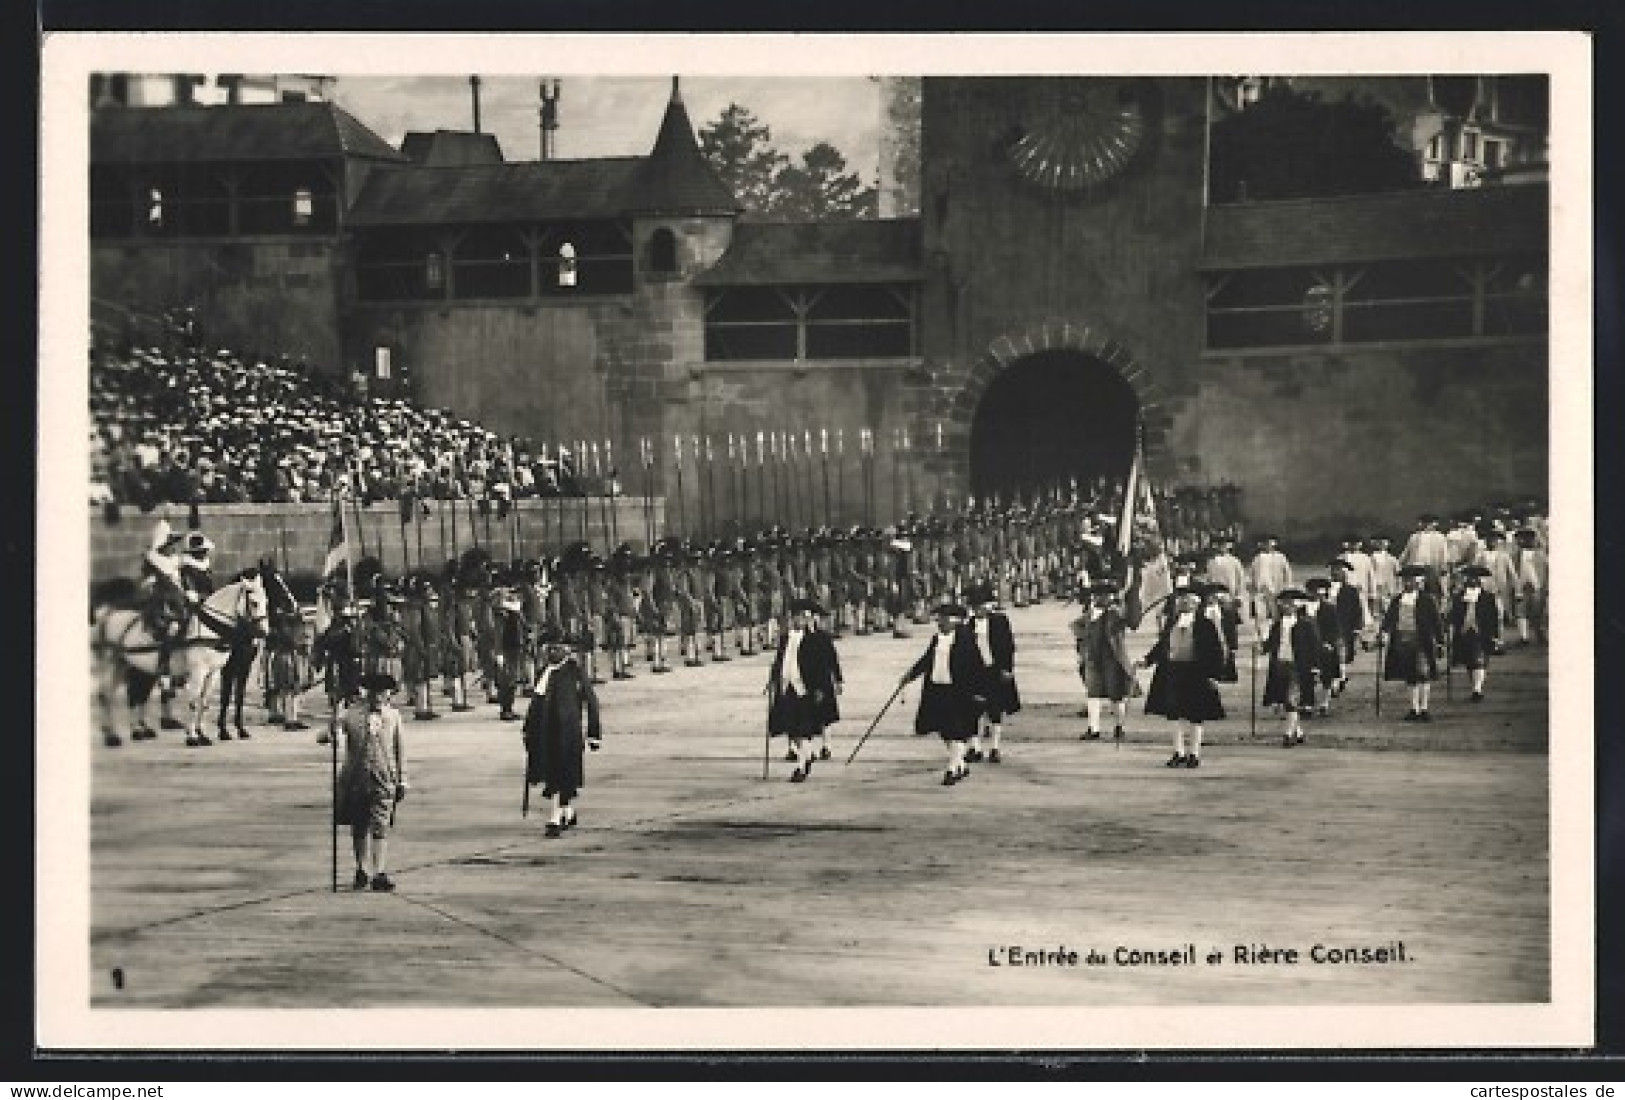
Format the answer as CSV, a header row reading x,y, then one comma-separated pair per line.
x,y
338,541
1139,539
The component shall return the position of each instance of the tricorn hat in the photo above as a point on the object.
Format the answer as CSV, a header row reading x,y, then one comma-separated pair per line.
x,y
952,610
1414,571
799,605
1292,594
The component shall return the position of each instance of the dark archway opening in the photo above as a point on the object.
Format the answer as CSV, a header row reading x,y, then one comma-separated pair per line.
x,y
1049,418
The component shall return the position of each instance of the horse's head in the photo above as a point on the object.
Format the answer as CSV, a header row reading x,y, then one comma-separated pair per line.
x,y
250,608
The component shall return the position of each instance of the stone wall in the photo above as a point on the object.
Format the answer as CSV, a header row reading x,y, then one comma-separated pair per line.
x,y
1367,439
243,533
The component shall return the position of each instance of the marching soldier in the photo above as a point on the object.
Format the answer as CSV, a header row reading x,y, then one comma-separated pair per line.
x,y
690,607
1384,577
596,610
381,637
462,639
1530,594
1268,573
620,613
284,679
337,656
657,609
508,649
1501,576
1225,568
426,632
1428,548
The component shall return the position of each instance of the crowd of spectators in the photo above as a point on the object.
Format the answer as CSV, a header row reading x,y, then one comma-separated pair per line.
x,y
200,427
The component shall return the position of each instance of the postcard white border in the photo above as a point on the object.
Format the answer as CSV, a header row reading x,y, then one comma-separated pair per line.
x,y
65,1019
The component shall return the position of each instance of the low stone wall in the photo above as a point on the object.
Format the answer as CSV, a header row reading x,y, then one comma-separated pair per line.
x,y
299,533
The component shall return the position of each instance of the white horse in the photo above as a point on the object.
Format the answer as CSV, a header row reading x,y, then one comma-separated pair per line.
x,y
127,653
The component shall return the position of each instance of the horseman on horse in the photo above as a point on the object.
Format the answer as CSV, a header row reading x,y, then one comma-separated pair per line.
x,y
179,635
176,576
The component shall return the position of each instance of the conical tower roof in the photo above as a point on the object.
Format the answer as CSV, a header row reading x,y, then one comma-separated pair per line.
x,y
675,179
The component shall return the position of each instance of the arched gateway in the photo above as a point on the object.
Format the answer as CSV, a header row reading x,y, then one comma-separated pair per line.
x,y
1050,419
1055,402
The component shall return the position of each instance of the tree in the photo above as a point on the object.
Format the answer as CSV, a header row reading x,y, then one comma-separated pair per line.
x,y
821,189
772,187
900,145
740,148
1291,145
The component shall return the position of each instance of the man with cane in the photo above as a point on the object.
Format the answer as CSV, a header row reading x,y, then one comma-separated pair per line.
x,y
949,707
802,686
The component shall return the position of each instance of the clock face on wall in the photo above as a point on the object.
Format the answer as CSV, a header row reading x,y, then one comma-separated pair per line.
x,y
1074,135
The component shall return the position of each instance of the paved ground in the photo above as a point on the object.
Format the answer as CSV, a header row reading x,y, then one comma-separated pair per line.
x,y
692,882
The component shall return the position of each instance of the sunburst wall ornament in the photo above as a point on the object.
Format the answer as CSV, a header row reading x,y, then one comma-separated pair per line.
x,y
1075,135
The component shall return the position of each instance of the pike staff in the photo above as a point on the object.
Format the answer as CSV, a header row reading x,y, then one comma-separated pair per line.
x,y
778,498
581,470
417,528
812,492
1379,671
896,474
710,489
1252,702
761,478
682,517
788,459
599,473
823,452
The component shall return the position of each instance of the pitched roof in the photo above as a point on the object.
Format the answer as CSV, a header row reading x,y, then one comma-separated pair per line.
x,y
489,193
787,253
675,178
1366,228
238,132
445,147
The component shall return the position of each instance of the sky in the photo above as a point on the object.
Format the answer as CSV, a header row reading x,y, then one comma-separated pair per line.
x,y
619,115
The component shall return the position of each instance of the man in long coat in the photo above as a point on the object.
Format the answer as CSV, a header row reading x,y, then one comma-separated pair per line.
x,y
996,645
952,672
1101,639
1413,631
1292,652
1189,657
553,732
802,687
1475,627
